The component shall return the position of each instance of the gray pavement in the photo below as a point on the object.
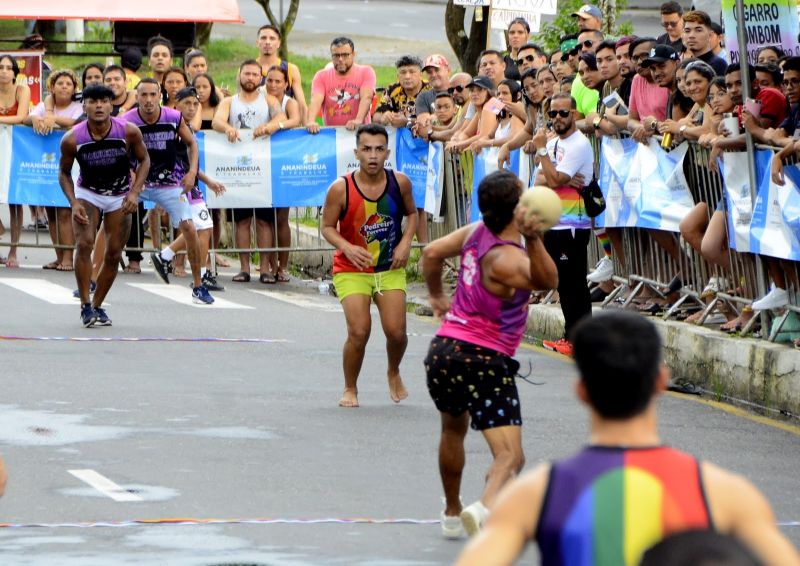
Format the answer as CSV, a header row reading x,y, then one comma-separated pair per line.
x,y
247,430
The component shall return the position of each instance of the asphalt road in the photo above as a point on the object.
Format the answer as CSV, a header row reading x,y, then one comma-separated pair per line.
x,y
247,430
403,20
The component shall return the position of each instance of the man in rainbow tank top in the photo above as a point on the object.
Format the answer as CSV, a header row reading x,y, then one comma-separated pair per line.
x,y
362,219
626,491
470,365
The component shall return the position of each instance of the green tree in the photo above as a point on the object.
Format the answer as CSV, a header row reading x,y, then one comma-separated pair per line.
x,y
466,47
284,26
563,24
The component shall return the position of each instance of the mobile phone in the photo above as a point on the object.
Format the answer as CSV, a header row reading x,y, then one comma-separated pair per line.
x,y
753,107
495,105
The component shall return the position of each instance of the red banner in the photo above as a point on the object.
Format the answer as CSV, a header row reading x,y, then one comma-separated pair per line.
x,y
30,73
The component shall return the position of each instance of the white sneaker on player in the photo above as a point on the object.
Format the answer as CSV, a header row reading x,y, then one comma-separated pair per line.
x,y
602,271
775,299
473,517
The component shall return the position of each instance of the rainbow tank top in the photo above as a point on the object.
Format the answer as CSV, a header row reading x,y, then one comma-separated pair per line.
x,y
476,315
375,225
607,505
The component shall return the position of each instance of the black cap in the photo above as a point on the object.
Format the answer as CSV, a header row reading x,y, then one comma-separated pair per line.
x,y
132,58
186,92
659,54
483,82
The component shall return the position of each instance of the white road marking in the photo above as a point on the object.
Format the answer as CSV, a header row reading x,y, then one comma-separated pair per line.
x,y
105,485
43,290
304,300
183,295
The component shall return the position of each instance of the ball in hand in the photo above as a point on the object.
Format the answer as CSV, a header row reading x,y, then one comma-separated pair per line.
x,y
543,202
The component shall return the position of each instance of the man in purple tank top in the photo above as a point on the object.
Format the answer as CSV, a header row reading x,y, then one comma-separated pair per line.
x,y
470,365
102,146
625,491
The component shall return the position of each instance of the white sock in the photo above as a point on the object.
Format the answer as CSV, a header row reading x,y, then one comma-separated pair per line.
x,y
202,272
167,254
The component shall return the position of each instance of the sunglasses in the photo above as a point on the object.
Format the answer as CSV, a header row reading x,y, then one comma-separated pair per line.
x,y
528,58
562,113
453,89
588,43
666,25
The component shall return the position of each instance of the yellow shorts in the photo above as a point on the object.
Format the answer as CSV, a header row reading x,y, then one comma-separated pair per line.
x,y
356,283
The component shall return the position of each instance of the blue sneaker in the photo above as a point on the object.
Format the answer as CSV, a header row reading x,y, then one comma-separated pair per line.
x,y
102,317
201,296
92,287
161,266
88,315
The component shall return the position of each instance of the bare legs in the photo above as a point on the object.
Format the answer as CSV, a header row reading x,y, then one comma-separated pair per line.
x,y
16,231
391,307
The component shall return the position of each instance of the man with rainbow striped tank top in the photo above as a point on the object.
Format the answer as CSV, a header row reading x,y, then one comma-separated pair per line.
x,y
626,491
362,219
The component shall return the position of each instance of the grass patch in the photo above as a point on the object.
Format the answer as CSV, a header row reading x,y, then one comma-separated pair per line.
x,y
11,28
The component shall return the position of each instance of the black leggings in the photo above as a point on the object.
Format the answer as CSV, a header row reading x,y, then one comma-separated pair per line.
x,y
570,256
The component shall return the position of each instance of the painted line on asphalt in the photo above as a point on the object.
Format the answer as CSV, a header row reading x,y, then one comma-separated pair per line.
x,y
183,295
303,300
105,485
145,339
253,521
738,412
42,290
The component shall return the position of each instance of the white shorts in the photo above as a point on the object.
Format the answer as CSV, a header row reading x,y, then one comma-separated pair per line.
x,y
103,203
172,200
201,216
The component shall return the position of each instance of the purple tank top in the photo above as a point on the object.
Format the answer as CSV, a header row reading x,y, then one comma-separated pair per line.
x,y
161,140
105,167
478,316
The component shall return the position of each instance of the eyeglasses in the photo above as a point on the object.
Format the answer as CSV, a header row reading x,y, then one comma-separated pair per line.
x,y
562,113
640,57
666,25
528,58
453,89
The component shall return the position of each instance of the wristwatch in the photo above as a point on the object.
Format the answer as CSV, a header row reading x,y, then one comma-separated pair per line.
x,y
682,129
541,152
596,122
280,125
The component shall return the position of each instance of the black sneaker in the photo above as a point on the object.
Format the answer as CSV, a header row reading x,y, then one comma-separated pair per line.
x,y
102,317
210,282
92,287
88,315
161,267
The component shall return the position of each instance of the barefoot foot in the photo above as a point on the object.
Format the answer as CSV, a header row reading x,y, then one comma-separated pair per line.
x,y
397,391
349,398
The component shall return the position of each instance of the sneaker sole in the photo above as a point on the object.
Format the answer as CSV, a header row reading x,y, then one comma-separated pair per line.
x,y
91,323
471,526
98,323
163,278
197,301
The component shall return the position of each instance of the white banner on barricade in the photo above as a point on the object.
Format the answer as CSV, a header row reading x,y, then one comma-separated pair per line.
x,y
5,162
740,205
644,185
434,183
775,227
243,167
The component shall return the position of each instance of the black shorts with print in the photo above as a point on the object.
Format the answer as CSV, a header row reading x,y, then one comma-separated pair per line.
x,y
465,377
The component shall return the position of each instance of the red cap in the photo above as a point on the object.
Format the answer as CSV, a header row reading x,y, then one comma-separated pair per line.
x,y
436,60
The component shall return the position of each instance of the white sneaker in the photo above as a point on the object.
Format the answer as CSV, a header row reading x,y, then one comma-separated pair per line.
x,y
451,526
602,271
473,517
775,299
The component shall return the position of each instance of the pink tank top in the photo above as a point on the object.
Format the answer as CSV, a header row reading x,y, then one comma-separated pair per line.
x,y
478,316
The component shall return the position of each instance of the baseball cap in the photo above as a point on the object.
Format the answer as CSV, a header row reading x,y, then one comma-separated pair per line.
x,y
186,92
568,45
435,60
587,11
483,82
659,54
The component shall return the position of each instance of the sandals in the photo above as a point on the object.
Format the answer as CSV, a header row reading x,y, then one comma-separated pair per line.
x,y
241,277
51,265
282,277
267,278
61,267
